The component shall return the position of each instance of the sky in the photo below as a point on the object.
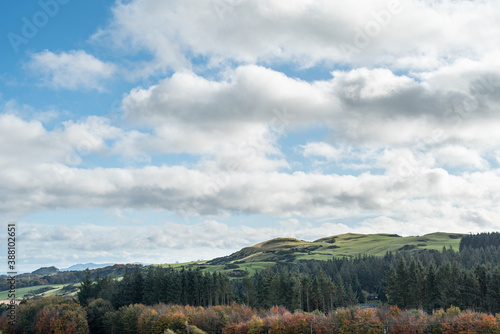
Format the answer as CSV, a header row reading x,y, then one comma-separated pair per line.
x,y
159,131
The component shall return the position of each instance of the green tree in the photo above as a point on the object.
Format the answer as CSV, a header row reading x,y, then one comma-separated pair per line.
x,y
432,289
87,289
96,312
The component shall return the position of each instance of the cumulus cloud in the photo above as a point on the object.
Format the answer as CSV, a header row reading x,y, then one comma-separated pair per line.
x,y
71,70
28,144
359,106
411,33
192,192
26,141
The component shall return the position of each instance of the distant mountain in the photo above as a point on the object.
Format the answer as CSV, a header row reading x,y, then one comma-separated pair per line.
x,y
83,266
46,271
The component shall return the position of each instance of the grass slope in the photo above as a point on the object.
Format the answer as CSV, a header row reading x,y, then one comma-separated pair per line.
x,y
267,253
52,289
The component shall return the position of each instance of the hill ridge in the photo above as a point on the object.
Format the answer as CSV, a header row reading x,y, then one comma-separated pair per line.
x,y
346,244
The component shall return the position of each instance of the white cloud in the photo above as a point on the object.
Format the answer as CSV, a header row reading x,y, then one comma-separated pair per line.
x,y
24,142
458,156
321,149
359,106
410,33
71,70
193,192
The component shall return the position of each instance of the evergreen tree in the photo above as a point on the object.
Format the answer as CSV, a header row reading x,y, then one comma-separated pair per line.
x,y
150,296
124,292
137,286
87,289
340,293
402,283
416,287
296,295
432,289
96,312
493,291
306,292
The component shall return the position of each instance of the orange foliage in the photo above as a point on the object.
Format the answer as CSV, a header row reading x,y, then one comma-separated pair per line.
x,y
362,321
470,322
145,321
64,316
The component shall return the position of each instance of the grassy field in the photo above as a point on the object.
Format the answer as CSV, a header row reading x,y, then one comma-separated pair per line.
x,y
55,289
268,253
378,244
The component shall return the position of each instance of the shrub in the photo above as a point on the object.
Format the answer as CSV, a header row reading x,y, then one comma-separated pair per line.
x,y
48,315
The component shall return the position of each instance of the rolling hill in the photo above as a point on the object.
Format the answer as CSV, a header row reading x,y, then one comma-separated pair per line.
x,y
266,254
350,244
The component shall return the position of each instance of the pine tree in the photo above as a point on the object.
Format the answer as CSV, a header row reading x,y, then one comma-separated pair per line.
x,y
296,296
87,289
248,289
493,291
469,290
150,296
160,285
137,286
402,283
340,293
104,287
351,296
432,289
306,292
416,288
264,289
482,279
391,290
124,292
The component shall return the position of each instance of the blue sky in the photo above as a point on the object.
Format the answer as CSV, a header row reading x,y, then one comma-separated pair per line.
x,y
159,131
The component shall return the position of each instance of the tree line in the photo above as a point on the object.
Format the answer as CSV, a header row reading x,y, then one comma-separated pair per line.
x,y
290,288
427,279
480,240
159,285
406,280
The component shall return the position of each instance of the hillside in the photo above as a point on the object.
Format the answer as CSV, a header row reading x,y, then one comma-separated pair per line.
x,y
350,244
46,271
266,254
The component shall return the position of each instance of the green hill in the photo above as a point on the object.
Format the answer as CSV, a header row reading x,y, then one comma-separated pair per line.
x,y
267,253
350,244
